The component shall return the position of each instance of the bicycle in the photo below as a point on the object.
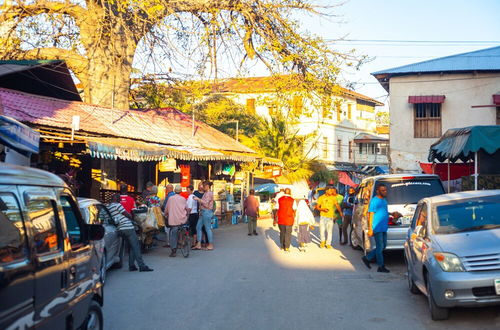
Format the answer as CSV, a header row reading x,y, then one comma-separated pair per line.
x,y
184,240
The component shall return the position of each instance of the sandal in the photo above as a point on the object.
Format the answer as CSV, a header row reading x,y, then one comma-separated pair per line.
x,y
196,248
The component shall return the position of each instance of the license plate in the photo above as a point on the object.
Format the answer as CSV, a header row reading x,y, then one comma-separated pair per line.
x,y
497,286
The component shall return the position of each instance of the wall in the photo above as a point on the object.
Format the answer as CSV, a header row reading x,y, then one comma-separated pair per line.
x,y
461,91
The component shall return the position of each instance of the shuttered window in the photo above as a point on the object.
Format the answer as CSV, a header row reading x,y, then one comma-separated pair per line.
x,y
427,120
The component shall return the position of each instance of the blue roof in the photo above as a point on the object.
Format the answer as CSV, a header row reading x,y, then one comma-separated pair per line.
x,y
479,60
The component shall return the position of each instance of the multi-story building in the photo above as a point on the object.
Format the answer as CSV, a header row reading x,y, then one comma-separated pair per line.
x,y
341,129
429,97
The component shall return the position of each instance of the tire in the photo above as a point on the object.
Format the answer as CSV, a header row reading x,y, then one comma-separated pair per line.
x,y
354,240
411,284
121,253
102,268
437,313
185,243
94,319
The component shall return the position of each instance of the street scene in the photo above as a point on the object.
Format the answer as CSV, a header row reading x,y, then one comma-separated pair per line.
x,y
271,164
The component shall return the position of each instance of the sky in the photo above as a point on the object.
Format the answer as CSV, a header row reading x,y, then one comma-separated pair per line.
x,y
463,22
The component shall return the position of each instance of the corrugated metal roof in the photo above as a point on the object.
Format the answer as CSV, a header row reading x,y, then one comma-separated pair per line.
x,y
164,126
479,60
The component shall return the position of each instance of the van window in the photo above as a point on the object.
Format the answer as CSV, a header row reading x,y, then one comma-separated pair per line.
x,y
410,191
12,235
72,224
45,227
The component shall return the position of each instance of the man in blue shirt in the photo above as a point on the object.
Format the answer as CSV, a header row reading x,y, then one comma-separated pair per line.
x,y
378,223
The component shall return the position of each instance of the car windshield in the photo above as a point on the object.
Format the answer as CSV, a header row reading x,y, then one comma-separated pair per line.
x,y
411,190
474,214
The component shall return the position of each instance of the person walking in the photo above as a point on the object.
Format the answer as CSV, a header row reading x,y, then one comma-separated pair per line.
x,y
251,210
192,207
207,213
286,218
327,206
347,207
177,215
169,192
125,226
305,221
378,223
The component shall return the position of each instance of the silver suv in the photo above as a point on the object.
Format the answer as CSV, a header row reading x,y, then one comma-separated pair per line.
x,y
403,193
453,251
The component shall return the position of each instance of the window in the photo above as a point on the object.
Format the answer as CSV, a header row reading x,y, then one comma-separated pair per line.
x,y
350,149
297,105
498,115
360,148
271,109
427,120
46,231
339,148
325,147
251,106
373,149
325,108
349,111
12,233
72,224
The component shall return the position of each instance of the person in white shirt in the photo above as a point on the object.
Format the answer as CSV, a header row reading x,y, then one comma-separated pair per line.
x,y
304,220
192,207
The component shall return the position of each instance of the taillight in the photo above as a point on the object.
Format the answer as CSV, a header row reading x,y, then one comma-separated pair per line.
x,y
408,178
391,221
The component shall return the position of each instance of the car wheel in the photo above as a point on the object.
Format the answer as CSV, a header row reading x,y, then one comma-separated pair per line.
x,y
437,313
94,319
411,284
121,253
102,270
354,240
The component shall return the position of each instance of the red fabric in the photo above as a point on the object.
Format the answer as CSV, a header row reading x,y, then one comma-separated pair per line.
x,y
286,214
345,179
426,99
185,175
456,170
184,194
127,202
496,99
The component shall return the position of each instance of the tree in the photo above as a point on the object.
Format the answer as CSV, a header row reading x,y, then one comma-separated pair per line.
x,y
100,38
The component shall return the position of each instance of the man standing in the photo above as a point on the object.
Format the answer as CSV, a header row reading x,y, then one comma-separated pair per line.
x,y
251,210
169,192
329,207
192,207
347,206
378,223
176,213
127,201
123,221
286,218
207,213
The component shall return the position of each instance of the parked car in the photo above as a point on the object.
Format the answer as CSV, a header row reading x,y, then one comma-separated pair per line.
x,y
49,276
403,193
111,247
453,251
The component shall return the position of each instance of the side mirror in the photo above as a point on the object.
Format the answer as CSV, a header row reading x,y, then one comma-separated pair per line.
x,y
95,232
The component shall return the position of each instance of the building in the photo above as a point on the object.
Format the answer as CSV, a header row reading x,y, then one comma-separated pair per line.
x,y
342,128
430,97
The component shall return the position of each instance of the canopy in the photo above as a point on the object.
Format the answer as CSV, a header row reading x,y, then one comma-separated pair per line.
x,y
462,143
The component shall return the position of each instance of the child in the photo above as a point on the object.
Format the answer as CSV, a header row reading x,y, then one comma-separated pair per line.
x,y
304,219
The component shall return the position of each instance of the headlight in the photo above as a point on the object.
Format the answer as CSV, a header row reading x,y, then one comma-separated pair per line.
x,y
449,262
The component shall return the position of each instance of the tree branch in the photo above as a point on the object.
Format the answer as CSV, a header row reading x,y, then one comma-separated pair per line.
x,y
10,12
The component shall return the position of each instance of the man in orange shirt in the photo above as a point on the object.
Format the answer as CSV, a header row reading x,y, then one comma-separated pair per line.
x,y
286,218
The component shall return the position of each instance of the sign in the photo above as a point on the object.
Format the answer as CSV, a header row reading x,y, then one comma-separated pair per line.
x,y
18,136
272,171
168,165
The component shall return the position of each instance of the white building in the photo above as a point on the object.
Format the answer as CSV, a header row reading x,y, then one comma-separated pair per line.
x,y
342,129
429,97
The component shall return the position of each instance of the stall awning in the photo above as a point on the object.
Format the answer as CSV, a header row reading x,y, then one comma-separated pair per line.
x,y
18,136
133,150
426,99
462,143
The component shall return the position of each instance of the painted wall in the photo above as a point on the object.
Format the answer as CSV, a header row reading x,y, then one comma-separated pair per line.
x,y
461,91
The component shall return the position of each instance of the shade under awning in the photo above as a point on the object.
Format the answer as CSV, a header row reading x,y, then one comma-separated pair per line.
x,y
462,143
426,99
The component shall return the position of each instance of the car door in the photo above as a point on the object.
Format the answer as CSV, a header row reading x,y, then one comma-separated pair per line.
x,y
418,243
357,213
111,238
17,285
48,250
82,259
